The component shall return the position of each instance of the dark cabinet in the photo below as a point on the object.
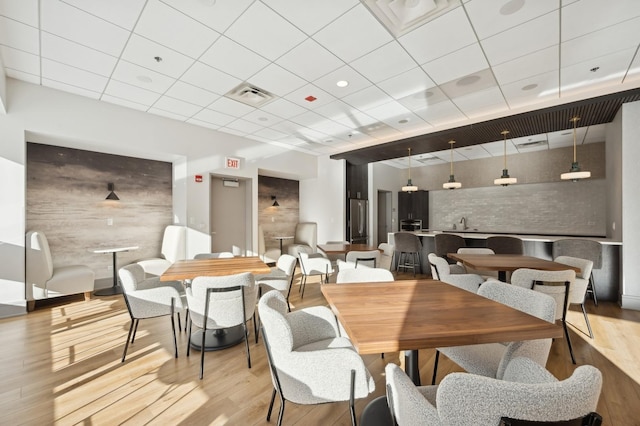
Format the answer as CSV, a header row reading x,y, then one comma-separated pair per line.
x,y
414,206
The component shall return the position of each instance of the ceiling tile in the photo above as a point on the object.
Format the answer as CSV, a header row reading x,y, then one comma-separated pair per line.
x,y
310,16
19,36
426,43
283,108
123,13
271,134
25,11
388,110
473,152
202,123
407,83
217,14
385,62
408,122
300,96
234,59
169,27
71,88
214,117
472,83
192,94
73,76
261,118
211,79
19,60
73,24
76,55
231,107
143,77
441,114
496,149
176,106
309,60
329,82
465,61
265,32
562,138
277,80
23,76
535,63
131,93
244,126
610,68
123,102
532,36
143,52
423,98
492,17
538,88
585,16
367,98
364,34
481,103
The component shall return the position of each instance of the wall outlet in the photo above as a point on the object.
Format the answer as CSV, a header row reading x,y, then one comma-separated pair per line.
x,y
273,219
110,221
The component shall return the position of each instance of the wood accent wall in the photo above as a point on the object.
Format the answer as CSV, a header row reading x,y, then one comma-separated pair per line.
x,y
278,221
66,191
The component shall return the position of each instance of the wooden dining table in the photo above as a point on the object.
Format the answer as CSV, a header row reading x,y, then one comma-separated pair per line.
x,y
191,268
344,248
410,315
504,263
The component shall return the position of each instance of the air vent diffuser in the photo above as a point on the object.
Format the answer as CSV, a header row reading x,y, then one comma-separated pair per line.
x,y
532,144
250,95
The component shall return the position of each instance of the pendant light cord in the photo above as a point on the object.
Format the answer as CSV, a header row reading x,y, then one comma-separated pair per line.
x,y
575,122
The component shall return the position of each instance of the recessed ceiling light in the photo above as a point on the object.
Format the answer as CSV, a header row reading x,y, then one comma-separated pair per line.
x,y
530,86
144,79
511,7
263,119
158,59
342,83
594,69
468,80
403,121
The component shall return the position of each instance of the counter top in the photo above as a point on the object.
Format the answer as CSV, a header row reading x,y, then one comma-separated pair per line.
x,y
541,238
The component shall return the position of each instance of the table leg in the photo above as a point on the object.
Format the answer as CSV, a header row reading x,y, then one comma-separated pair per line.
x,y
280,245
411,366
115,289
502,276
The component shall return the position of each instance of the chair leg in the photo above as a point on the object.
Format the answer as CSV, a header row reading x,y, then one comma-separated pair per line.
x,y
246,341
281,412
186,319
126,345
592,287
256,325
173,329
352,407
566,334
273,399
586,319
202,352
135,329
302,285
435,367
188,339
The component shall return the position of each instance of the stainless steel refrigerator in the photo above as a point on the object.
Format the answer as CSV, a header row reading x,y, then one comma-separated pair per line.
x,y
358,225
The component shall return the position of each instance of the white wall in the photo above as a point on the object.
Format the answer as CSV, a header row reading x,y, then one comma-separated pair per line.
x,y
46,115
630,205
384,178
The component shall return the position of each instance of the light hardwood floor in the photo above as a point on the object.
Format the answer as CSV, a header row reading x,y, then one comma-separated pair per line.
x,y
61,365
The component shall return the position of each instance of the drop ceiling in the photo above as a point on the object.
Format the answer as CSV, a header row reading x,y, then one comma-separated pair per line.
x,y
442,65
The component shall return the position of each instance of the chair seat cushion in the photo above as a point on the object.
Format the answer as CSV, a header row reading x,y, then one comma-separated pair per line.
x,y
72,279
483,359
336,342
155,266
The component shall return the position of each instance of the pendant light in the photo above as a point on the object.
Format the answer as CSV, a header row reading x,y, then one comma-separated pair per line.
x,y
112,195
575,173
410,187
451,184
505,180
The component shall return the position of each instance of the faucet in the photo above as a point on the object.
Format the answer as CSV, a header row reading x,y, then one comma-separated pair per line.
x,y
463,221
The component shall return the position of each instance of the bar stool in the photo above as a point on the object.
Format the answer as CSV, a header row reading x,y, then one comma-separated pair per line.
x,y
505,245
448,243
408,246
582,249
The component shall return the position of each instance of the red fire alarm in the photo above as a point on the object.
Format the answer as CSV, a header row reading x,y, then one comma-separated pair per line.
x,y
310,98
198,178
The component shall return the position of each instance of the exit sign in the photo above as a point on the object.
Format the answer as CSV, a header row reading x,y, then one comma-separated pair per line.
x,y
232,163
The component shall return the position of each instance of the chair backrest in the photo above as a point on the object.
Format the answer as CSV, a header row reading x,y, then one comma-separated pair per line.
x,y
579,289
130,276
364,275
314,264
406,242
439,266
370,258
225,304
287,264
386,257
505,245
475,250
39,266
523,299
174,243
306,233
528,278
221,255
576,247
447,243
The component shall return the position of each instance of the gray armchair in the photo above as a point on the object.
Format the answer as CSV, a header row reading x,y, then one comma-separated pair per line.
x,y
490,359
310,361
527,391
441,270
174,242
149,298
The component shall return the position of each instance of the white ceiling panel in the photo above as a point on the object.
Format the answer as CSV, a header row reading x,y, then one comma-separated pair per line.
x,y
265,32
143,77
527,38
364,34
23,76
277,80
407,83
300,96
329,82
19,36
231,107
271,134
215,14
192,94
214,117
25,11
309,60
131,93
595,134
76,55
473,152
19,60
310,16
73,24
234,59
283,108
523,67
203,124
611,67
167,114
468,60
496,149
466,85
585,16
244,126
123,13
356,119
490,17
210,79
71,88
426,42
441,113
262,118
533,89
367,98
144,52
73,76
478,104
176,106
385,62
423,98
171,28
388,110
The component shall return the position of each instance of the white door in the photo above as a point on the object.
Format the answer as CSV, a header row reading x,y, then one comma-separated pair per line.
x,y
230,216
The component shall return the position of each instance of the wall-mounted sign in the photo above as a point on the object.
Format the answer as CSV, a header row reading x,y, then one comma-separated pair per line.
x,y
198,178
232,163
